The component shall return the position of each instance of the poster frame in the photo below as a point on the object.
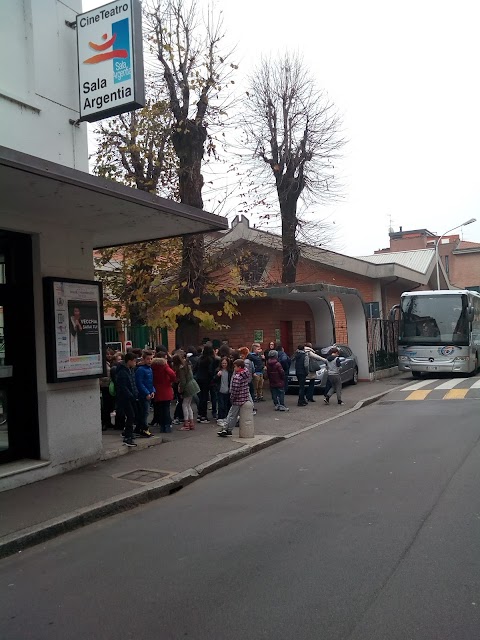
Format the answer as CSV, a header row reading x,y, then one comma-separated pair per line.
x,y
258,335
50,333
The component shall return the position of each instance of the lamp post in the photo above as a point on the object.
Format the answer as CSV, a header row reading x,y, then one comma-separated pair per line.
x,y
437,257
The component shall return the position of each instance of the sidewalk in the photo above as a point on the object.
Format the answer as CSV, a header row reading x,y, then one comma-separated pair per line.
x,y
160,466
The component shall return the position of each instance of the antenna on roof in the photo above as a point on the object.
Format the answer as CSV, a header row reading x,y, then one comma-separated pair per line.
x,y
390,225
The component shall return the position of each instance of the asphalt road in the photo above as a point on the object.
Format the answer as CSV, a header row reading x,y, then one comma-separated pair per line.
x,y
365,529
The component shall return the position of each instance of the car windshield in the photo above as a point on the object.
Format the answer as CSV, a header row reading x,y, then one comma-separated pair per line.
x,y
434,320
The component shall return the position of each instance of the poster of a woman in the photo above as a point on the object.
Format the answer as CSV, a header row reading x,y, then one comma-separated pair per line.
x,y
76,328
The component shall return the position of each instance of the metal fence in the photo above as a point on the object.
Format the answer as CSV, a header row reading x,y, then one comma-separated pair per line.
x,y
140,336
382,343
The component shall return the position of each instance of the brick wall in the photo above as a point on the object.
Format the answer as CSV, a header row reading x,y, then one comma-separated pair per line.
x,y
409,243
309,272
266,314
465,270
262,314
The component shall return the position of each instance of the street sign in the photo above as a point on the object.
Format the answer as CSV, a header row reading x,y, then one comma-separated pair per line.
x,y
110,60
128,344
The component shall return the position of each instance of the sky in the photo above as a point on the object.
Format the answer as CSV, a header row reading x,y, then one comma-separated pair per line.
x,y
405,78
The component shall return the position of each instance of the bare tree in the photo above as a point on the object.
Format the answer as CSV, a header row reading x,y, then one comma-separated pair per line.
x,y
188,50
294,133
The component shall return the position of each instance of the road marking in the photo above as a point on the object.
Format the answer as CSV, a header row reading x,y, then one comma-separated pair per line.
x,y
418,385
418,395
476,385
456,394
449,384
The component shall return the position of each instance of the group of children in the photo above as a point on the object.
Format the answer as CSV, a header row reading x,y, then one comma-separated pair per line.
x,y
227,378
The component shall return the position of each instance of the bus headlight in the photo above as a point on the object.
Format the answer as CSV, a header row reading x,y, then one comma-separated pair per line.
x,y
403,358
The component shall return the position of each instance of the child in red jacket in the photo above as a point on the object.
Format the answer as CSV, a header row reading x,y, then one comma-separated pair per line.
x,y
163,378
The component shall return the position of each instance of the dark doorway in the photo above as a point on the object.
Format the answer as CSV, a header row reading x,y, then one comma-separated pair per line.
x,y
308,331
18,381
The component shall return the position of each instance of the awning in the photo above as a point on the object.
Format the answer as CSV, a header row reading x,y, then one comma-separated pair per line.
x,y
42,193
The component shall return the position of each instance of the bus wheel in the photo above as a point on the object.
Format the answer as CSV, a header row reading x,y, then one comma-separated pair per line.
x,y
416,374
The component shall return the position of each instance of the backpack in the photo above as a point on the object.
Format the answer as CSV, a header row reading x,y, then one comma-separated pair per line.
x,y
314,365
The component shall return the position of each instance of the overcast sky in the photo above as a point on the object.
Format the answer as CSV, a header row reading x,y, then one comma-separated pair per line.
x,y
405,77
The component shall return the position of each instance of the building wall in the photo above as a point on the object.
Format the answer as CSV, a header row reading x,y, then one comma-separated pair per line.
x,y
39,81
69,412
263,314
309,271
408,242
38,96
465,270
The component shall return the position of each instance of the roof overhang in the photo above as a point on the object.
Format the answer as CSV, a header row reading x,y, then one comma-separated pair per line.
x,y
43,194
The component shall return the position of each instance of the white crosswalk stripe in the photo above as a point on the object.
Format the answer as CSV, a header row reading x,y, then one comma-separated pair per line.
x,y
419,385
476,385
450,384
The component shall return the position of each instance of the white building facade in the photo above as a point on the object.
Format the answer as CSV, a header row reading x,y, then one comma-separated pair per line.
x,y
52,215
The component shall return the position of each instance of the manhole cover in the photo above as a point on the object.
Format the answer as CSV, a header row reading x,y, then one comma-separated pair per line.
x,y
144,475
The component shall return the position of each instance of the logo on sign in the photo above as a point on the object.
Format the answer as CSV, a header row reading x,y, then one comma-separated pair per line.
x,y
446,351
119,45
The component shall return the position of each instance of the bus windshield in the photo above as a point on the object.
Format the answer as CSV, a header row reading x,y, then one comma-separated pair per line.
x,y
434,319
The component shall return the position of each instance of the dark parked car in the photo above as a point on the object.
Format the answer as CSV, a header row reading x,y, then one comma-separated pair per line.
x,y
349,369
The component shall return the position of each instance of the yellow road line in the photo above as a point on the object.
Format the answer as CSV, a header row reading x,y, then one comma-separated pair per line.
x,y
420,394
456,394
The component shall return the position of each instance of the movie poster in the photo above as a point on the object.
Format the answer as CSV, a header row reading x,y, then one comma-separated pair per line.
x,y
77,309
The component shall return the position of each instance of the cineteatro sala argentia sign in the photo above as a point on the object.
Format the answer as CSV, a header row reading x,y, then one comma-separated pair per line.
x,y
110,60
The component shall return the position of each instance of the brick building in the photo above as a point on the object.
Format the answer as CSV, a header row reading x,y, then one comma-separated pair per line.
x,y
460,259
379,279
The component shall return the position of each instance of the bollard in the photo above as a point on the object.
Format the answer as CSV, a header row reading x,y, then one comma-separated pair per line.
x,y
247,429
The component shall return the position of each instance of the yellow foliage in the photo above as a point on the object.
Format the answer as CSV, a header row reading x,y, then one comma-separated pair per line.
x,y
230,309
207,320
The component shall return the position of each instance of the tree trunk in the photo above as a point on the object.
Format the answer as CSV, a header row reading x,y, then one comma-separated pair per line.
x,y
290,251
137,314
189,147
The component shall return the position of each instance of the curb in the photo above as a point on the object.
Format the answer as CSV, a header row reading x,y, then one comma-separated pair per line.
x,y
20,540
25,538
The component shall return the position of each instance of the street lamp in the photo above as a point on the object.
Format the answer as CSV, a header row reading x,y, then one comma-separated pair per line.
x,y
437,258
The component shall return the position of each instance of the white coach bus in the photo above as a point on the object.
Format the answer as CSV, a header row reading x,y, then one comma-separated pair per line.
x,y
439,331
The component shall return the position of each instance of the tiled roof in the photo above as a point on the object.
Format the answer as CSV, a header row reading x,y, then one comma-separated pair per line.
x,y
417,260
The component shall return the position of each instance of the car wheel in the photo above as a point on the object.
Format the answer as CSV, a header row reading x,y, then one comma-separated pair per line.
x,y
355,376
416,374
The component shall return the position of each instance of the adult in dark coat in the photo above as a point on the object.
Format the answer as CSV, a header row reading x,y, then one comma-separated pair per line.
x,y
204,373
